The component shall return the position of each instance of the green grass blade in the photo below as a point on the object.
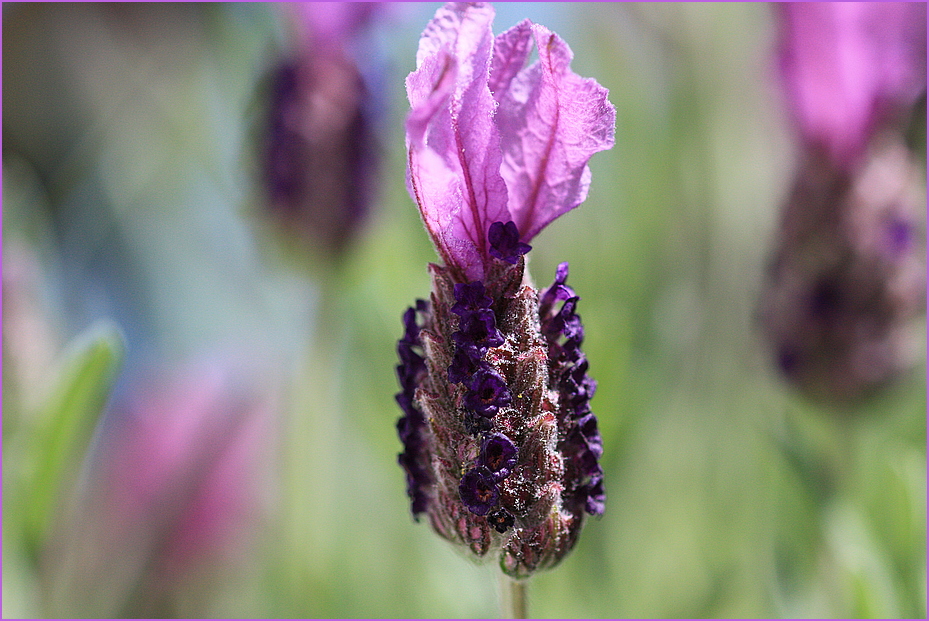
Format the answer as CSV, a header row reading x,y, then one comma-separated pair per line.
x,y
90,367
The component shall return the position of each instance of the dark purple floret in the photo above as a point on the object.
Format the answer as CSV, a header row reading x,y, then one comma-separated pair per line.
x,y
403,423
478,328
410,362
498,454
470,297
588,428
478,491
577,386
583,458
558,291
416,476
565,323
411,368
487,393
500,519
596,497
410,328
412,425
504,242
465,364
572,330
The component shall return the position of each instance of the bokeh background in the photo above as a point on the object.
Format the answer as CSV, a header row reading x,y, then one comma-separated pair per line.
x,y
198,414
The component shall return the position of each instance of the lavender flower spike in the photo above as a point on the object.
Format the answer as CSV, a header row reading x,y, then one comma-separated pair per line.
x,y
490,140
501,450
843,306
319,142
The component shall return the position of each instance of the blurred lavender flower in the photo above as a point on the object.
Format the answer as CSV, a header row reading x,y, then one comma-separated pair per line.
x,y
845,297
175,488
319,147
500,448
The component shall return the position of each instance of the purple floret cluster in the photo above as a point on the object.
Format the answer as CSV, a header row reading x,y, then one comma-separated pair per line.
x,y
478,487
477,331
582,445
412,425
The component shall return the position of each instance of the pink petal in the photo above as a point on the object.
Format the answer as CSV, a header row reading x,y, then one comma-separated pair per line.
x,y
551,122
331,23
846,65
511,51
454,148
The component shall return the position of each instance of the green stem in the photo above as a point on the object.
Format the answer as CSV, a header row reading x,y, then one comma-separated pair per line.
x,y
514,598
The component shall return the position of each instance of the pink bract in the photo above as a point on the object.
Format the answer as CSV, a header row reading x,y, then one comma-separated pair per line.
x,y
848,66
492,140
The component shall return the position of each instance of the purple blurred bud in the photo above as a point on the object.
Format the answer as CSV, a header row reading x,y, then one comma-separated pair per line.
x,y
845,293
320,147
844,299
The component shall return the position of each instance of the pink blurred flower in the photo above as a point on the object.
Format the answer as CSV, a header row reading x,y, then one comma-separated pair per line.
x,y
187,452
177,484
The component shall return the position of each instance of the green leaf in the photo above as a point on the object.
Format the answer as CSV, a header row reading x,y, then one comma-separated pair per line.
x,y
87,374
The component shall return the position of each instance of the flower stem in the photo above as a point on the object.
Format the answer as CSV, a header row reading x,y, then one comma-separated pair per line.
x,y
514,598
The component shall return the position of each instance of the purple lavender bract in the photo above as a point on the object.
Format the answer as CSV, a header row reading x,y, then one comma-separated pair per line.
x,y
501,450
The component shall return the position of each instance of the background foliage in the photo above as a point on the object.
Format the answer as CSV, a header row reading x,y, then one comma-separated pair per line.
x,y
133,238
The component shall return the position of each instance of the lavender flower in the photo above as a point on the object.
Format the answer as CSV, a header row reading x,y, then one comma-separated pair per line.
x,y
319,150
501,450
845,293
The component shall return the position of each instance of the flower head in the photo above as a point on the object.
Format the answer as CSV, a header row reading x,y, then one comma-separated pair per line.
x,y
500,447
